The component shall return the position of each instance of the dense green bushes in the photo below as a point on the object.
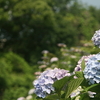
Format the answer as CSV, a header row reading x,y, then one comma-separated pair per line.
x,y
15,76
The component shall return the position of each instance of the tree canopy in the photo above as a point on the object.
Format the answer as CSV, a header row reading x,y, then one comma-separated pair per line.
x,y
29,26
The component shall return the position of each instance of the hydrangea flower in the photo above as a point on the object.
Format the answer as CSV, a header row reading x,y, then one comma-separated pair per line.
x,y
45,51
91,94
54,59
29,97
31,91
92,69
61,45
76,92
43,85
85,58
96,38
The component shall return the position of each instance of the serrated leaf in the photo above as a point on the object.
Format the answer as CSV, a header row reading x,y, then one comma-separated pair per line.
x,y
73,85
79,74
59,84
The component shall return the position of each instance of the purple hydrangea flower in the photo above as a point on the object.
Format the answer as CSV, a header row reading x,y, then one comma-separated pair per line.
x,y
43,85
96,38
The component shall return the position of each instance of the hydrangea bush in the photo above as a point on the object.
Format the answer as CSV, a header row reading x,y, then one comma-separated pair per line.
x,y
43,85
56,83
92,69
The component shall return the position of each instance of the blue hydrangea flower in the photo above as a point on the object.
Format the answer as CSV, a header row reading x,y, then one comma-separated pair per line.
x,y
92,69
96,38
43,85
85,58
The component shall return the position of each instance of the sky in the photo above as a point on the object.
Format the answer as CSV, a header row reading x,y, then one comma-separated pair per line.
x,y
95,3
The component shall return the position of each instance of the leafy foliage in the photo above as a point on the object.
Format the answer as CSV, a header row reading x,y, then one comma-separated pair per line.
x,y
29,26
74,84
14,73
25,23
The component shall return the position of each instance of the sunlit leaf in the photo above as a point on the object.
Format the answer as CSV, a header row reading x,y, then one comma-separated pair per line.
x,y
79,74
72,85
59,84
83,64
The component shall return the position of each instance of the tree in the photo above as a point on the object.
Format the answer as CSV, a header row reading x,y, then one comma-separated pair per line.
x,y
30,26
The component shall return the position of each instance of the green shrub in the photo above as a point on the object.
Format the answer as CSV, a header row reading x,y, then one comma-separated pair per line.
x,y
15,76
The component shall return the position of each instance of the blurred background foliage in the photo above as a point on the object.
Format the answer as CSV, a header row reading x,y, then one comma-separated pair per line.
x,y
29,26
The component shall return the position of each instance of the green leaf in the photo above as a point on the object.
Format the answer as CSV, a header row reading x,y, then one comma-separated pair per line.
x,y
38,98
51,97
73,85
79,74
59,84
84,96
92,86
83,64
